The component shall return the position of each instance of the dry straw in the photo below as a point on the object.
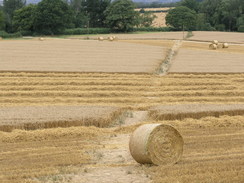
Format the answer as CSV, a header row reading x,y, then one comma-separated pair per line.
x,y
41,39
215,42
100,38
110,38
225,45
213,46
156,143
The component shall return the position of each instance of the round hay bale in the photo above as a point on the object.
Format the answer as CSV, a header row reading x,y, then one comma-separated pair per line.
x,y
100,38
225,45
1,38
156,143
115,38
215,42
110,38
41,39
213,46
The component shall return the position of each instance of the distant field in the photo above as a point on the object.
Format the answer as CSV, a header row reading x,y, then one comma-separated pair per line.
x,y
79,56
159,21
203,61
234,37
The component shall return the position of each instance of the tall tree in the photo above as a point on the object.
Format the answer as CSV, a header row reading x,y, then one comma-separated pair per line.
x,y
95,11
23,19
9,6
80,18
181,18
191,4
121,16
52,17
2,23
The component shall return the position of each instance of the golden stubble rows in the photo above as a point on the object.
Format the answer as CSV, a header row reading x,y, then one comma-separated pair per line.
x,y
123,90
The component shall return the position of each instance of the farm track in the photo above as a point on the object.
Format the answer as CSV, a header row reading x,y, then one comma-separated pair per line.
x,y
124,90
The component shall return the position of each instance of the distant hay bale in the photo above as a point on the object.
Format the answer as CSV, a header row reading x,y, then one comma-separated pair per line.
x,y
110,38
213,46
156,143
225,45
215,42
115,38
41,39
1,38
100,38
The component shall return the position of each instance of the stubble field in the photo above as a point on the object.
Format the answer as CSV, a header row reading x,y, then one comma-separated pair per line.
x,y
205,107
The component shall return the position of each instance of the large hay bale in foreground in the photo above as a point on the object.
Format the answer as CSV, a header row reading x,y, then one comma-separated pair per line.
x,y
156,143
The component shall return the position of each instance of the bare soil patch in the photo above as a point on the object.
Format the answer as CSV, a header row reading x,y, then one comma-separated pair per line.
x,y
78,56
202,61
37,117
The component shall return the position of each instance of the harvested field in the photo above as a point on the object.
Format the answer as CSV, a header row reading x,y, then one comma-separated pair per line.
x,y
205,46
26,155
232,37
196,111
134,91
206,108
161,43
212,61
159,21
79,56
36,117
204,36
140,36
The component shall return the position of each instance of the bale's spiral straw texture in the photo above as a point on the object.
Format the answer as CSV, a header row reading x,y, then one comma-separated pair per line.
x,y
156,143
225,45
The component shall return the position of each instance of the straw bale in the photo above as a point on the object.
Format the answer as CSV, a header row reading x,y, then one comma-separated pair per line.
x,y
157,144
225,45
215,42
110,38
213,46
1,38
100,38
41,39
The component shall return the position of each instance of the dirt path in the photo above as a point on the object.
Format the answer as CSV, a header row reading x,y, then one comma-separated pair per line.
x,y
113,162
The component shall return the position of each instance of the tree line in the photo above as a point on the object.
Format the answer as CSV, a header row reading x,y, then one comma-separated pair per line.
x,y
55,16
208,15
